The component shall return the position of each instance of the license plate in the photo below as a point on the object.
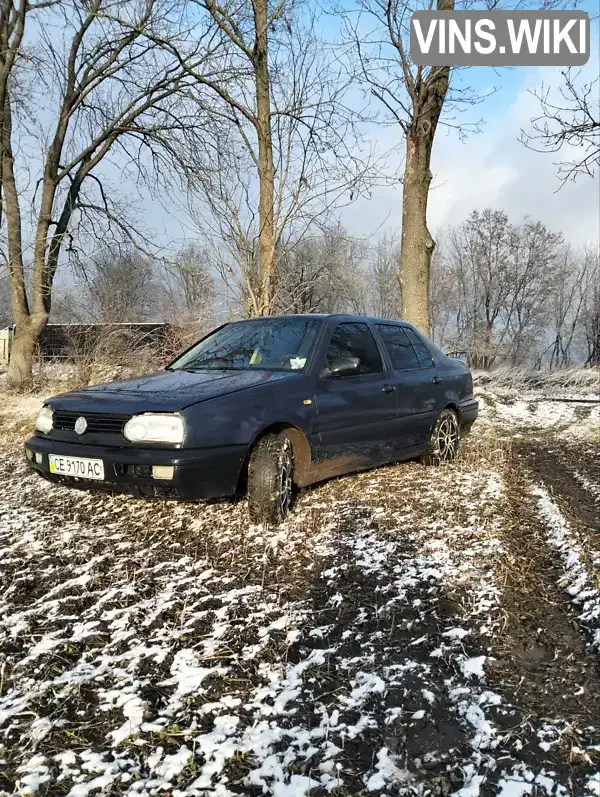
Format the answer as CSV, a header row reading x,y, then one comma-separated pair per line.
x,y
77,467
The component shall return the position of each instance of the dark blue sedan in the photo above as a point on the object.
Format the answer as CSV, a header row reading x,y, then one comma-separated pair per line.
x,y
264,405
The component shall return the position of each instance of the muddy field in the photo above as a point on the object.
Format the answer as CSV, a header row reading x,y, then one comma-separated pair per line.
x,y
409,630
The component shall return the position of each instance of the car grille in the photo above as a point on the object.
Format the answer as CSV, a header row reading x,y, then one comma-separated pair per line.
x,y
97,422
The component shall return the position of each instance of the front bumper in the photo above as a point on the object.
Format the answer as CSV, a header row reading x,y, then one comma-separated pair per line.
x,y
468,411
197,473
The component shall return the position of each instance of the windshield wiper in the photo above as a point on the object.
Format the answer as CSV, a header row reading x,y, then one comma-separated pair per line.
x,y
208,365
212,368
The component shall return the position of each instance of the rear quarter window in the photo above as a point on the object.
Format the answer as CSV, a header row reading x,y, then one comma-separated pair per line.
x,y
424,356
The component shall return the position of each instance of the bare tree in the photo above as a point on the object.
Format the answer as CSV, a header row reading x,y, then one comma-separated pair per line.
x,y
417,100
591,310
99,86
534,254
478,251
382,275
323,274
283,145
245,27
413,98
121,286
502,274
569,123
187,287
566,303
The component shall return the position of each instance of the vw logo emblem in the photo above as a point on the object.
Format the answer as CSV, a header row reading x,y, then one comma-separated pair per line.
x,y
80,425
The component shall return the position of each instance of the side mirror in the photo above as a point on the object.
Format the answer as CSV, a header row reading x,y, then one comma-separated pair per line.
x,y
342,366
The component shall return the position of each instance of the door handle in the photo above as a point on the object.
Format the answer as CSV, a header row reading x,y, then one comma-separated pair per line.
x,y
436,380
388,388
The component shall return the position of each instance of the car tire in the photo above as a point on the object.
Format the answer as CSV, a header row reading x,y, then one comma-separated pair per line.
x,y
444,440
270,479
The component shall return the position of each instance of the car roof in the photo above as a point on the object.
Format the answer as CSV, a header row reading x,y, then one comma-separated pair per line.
x,y
349,317
336,316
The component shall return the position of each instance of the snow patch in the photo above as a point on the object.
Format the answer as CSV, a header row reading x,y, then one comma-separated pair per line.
x,y
577,581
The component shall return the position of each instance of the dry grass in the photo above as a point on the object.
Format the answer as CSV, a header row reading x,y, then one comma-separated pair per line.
x,y
484,448
54,378
585,380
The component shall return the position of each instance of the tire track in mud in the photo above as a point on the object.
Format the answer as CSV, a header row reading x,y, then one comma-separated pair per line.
x,y
546,586
545,657
567,483
571,474
556,692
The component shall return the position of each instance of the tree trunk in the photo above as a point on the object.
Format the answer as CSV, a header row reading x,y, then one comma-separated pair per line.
x,y
428,94
266,170
417,243
22,350
29,325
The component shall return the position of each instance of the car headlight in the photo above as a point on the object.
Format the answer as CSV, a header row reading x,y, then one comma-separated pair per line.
x,y
43,422
155,427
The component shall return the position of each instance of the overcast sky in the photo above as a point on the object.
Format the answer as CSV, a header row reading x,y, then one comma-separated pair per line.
x,y
493,168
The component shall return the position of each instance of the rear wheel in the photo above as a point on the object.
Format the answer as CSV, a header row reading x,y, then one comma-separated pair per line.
x,y
270,479
444,440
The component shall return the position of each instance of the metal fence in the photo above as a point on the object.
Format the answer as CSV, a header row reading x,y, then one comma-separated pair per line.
x,y
63,341
6,336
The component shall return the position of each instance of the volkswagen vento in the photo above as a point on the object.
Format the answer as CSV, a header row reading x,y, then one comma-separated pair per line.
x,y
262,406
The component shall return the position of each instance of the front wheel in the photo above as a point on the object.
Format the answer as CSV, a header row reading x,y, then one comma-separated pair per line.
x,y
270,479
444,440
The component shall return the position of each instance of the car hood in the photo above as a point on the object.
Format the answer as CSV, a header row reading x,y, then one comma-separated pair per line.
x,y
165,391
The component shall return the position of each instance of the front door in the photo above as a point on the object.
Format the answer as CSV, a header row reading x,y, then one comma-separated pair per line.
x,y
356,414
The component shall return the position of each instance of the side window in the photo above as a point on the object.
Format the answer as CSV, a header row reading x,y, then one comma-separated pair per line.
x,y
355,340
399,347
423,354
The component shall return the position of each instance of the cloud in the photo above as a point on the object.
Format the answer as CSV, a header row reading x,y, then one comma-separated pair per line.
x,y
493,168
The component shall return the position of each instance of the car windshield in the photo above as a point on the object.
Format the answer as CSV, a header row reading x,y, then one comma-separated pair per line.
x,y
277,344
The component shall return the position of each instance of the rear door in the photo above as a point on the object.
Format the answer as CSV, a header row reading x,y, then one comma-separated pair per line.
x,y
433,382
414,379
357,415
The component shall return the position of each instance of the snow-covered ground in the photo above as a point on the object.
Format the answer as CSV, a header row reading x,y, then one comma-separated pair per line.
x,y
378,642
531,413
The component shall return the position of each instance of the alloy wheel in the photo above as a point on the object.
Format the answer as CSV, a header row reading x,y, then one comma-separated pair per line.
x,y
286,466
447,439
